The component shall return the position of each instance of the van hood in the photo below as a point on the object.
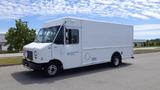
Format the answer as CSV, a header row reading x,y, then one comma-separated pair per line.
x,y
35,45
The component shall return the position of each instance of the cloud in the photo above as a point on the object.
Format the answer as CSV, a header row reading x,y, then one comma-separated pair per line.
x,y
147,31
152,14
147,27
147,34
139,16
143,9
2,32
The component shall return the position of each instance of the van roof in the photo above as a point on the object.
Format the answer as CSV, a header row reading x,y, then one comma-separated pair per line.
x,y
82,19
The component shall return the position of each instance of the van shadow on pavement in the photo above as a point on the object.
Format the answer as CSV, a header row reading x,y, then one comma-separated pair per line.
x,y
30,77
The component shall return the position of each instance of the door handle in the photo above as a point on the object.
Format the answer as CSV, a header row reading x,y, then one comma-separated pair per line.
x,y
49,47
72,53
55,46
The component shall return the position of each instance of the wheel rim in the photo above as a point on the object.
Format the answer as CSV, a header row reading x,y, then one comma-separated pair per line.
x,y
116,61
52,69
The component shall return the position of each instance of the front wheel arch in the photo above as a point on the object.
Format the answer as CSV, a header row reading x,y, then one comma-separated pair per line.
x,y
53,67
58,62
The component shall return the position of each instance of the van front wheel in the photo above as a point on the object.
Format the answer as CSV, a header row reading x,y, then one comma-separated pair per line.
x,y
52,69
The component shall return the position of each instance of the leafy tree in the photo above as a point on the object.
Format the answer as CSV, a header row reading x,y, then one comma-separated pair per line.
x,y
19,36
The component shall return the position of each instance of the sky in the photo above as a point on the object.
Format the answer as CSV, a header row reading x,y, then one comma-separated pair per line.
x,y
144,15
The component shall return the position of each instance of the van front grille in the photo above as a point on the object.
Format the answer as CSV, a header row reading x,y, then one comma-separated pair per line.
x,y
30,55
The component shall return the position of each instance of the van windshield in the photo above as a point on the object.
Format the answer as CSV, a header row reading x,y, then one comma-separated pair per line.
x,y
47,35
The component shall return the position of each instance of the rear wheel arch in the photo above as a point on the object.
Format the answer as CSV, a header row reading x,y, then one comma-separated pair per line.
x,y
116,53
116,59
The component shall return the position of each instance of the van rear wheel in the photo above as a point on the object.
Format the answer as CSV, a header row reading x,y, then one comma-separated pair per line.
x,y
115,60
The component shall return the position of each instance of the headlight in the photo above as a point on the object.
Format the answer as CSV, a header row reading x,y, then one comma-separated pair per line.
x,y
35,53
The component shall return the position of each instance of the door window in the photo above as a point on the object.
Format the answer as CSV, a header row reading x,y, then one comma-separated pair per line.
x,y
72,36
0,47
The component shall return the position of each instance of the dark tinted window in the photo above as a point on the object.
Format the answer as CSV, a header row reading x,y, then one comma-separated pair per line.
x,y
72,36
60,37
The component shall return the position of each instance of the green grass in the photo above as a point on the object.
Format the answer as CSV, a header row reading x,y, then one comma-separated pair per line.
x,y
10,60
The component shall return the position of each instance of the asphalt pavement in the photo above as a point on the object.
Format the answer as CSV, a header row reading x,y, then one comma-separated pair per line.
x,y
141,73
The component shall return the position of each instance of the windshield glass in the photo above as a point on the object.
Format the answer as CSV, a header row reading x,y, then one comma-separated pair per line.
x,y
47,35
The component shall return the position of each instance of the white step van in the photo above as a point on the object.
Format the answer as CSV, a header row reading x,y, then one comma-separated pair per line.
x,y
70,42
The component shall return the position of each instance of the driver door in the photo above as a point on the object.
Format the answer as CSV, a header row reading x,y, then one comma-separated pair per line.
x,y
73,47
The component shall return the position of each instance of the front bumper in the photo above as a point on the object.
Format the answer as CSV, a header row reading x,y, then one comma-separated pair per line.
x,y
34,66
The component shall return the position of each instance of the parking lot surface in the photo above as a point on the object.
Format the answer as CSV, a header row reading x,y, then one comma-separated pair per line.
x,y
141,73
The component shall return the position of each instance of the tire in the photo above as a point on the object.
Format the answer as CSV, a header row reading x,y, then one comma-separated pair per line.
x,y
52,69
116,60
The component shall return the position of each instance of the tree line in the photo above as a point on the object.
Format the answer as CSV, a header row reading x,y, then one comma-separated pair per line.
x,y
148,43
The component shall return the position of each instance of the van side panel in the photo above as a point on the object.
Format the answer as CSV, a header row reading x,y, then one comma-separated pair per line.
x,y
100,40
